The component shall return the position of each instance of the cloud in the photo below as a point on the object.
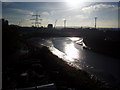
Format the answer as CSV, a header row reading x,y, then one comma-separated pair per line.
x,y
81,16
45,13
20,11
98,6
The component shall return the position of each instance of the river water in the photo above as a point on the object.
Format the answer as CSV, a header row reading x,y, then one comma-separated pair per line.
x,y
71,50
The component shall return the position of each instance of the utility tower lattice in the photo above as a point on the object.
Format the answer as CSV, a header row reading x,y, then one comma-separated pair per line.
x,y
36,19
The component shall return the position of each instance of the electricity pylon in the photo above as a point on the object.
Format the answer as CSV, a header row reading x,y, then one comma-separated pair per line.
x,y
36,19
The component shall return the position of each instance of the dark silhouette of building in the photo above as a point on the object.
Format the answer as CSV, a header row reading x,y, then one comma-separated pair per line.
x,y
50,26
4,22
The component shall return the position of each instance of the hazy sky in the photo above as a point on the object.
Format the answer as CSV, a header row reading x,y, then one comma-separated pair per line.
x,y
76,13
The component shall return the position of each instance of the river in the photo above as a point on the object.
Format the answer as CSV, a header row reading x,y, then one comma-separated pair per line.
x,y
71,50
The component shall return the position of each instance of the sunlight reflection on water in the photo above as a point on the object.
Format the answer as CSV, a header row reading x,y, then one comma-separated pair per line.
x,y
63,56
64,48
74,38
71,52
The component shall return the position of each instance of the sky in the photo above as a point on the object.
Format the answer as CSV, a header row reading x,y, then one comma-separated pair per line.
x,y
76,14
59,0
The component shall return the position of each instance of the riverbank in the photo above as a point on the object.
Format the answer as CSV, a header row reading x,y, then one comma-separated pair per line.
x,y
40,66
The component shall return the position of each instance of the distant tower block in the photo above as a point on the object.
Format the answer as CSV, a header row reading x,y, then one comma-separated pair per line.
x,y
36,19
95,21
64,23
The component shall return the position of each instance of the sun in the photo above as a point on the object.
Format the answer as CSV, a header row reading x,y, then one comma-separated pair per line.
x,y
74,3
